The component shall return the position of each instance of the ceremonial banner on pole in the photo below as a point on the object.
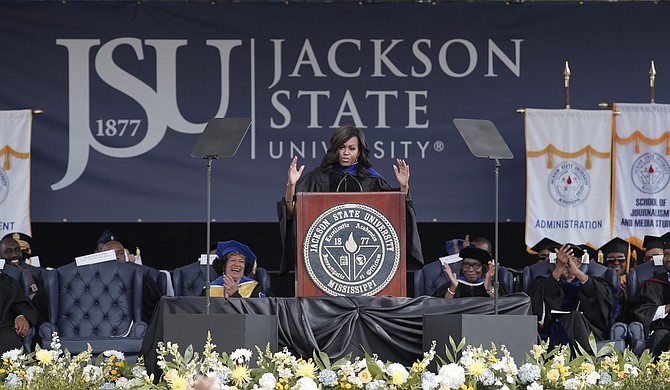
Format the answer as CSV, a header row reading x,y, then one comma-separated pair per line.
x,y
568,176
642,171
15,129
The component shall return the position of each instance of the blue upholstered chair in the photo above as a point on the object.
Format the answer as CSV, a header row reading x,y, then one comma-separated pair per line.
x,y
189,280
431,276
636,276
98,304
618,330
22,276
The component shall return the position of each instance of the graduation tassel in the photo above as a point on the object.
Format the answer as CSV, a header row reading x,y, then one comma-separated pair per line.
x,y
601,257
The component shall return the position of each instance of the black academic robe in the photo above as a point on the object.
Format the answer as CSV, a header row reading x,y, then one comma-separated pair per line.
x,y
319,180
13,302
654,292
590,308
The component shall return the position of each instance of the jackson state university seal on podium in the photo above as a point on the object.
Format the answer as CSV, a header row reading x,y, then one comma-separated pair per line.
x,y
351,250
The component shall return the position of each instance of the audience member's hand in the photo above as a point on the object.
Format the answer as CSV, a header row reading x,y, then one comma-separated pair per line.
x,y
294,172
402,173
21,326
452,277
488,278
130,258
230,285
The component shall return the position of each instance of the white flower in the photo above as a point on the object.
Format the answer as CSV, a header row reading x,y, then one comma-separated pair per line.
x,y
305,383
12,354
534,386
32,372
452,376
122,383
592,377
631,370
571,384
112,352
139,371
241,355
92,373
267,381
398,373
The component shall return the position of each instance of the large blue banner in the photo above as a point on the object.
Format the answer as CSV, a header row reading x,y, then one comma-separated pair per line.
x,y
127,88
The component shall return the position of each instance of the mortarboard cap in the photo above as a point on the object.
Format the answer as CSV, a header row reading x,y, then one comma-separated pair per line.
x,y
666,240
545,243
651,242
454,244
472,252
615,245
225,247
106,237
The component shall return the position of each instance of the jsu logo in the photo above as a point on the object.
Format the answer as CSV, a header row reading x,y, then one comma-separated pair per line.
x,y
157,98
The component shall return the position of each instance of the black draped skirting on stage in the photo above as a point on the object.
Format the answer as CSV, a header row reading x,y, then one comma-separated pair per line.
x,y
388,326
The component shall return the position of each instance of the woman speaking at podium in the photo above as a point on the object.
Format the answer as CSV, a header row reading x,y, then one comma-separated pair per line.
x,y
345,168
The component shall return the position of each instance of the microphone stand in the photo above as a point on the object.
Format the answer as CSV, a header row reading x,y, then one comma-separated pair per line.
x,y
209,228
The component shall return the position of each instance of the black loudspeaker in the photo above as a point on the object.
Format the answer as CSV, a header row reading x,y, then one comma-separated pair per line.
x,y
517,332
229,331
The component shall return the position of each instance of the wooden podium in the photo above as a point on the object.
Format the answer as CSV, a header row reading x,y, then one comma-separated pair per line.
x,y
350,244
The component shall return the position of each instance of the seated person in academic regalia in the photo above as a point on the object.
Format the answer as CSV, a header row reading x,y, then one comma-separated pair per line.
x,y
13,248
17,314
233,262
151,293
617,255
653,248
569,304
543,248
475,280
651,306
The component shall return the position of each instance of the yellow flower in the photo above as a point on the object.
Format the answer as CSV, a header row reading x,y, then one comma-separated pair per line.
x,y
119,364
305,370
240,375
464,387
553,375
365,376
179,383
587,367
113,372
477,367
43,356
347,386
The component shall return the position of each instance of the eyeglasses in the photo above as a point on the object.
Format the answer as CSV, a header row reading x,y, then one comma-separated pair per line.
x,y
620,259
474,266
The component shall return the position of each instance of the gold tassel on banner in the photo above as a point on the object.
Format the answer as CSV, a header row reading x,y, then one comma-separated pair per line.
x,y
588,159
667,146
637,145
550,161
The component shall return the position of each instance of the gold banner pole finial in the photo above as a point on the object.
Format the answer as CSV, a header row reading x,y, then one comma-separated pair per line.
x,y
566,78
652,79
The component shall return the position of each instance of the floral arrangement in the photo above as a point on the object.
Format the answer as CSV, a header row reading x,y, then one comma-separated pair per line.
x,y
463,368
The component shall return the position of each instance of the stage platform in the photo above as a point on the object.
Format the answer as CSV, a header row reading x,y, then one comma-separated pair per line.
x,y
391,327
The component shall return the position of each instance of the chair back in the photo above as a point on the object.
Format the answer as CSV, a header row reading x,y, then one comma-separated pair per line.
x,y
20,275
97,300
189,280
429,278
637,275
262,276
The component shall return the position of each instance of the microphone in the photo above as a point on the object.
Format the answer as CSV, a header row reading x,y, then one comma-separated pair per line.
x,y
344,180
